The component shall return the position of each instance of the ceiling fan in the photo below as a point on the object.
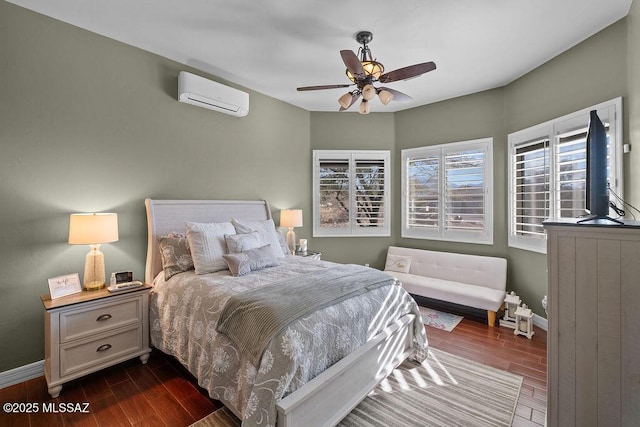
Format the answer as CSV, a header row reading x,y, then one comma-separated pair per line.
x,y
365,71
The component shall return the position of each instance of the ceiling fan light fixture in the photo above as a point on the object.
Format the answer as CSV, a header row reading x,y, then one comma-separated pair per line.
x,y
364,107
371,69
385,96
345,100
368,92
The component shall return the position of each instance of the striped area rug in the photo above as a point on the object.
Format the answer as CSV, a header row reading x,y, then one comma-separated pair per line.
x,y
446,390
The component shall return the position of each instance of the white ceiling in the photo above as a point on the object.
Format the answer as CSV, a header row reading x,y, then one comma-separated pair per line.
x,y
274,46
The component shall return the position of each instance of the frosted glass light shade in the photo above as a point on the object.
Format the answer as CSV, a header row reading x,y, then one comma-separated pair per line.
x,y
385,96
345,100
368,92
364,107
93,229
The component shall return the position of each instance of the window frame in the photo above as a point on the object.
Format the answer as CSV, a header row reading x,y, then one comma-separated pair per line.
x,y
441,232
553,130
353,157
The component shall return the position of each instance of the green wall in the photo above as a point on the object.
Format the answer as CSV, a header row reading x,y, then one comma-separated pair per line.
x,y
91,124
352,131
592,72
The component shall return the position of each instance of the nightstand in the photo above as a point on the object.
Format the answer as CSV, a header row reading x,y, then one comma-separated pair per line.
x,y
310,254
92,330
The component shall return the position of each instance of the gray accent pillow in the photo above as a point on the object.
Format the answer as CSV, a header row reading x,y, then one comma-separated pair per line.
x,y
208,245
175,253
243,263
243,242
267,231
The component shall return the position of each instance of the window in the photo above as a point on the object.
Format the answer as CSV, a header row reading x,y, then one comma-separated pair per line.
x,y
351,193
446,192
547,171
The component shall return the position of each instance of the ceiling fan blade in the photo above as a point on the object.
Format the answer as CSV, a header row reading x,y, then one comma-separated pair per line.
x,y
354,98
304,88
407,72
353,64
397,95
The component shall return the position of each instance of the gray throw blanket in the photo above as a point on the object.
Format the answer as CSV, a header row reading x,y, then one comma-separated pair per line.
x,y
251,319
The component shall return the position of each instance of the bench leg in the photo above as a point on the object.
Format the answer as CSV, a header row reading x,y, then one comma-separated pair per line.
x,y
491,316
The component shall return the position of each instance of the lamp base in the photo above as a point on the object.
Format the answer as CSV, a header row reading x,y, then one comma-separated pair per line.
x,y
291,241
94,276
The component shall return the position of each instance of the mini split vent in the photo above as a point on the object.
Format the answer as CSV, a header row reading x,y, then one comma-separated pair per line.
x,y
205,93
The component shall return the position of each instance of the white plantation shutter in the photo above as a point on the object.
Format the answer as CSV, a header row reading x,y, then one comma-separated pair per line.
x,y
423,204
351,193
465,189
369,192
570,156
548,171
334,193
447,192
531,183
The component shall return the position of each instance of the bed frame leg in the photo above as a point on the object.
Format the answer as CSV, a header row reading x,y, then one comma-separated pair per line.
x,y
491,316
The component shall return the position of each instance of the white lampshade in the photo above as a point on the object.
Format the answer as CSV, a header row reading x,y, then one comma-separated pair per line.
x,y
93,229
291,218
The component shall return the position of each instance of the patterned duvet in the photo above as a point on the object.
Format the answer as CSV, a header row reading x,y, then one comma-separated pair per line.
x,y
184,315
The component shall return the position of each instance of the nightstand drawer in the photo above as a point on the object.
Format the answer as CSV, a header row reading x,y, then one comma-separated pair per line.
x,y
76,324
86,355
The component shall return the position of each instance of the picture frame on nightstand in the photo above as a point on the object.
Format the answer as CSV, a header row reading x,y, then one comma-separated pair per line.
x,y
64,285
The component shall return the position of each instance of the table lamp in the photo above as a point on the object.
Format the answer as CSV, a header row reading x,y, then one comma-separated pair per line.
x,y
93,229
291,218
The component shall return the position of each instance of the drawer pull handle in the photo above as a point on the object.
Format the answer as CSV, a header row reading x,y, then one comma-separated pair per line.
x,y
103,317
104,347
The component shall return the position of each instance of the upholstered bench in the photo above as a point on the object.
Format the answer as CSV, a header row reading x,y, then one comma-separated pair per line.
x,y
470,280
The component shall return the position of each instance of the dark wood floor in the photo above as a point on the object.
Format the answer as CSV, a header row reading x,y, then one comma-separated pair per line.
x,y
163,393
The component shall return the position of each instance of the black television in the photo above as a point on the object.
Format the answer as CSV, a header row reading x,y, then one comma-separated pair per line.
x,y
597,186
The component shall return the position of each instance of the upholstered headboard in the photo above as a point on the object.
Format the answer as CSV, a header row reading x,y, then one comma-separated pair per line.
x,y
166,216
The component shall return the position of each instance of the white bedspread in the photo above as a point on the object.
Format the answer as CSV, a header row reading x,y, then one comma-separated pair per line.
x,y
184,314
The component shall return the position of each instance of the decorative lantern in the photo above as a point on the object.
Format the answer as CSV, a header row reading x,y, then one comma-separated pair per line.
x,y
524,322
511,304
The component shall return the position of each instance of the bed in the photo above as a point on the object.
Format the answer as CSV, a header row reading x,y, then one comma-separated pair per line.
x,y
314,371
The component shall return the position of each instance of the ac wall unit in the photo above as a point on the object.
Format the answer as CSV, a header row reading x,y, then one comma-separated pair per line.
x,y
205,93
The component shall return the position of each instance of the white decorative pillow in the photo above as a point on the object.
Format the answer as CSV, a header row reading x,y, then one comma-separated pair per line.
x,y
398,263
207,245
266,230
252,260
242,242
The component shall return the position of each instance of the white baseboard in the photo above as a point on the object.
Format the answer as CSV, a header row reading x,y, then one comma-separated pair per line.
x,y
540,321
21,374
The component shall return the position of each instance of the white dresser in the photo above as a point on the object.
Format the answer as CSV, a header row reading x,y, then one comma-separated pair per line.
x,y
594,324
92,330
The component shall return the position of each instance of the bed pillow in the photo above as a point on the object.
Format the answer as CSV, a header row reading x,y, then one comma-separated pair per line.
x,y
175,253
207,245
242,263
283,244
266,230
242,242
398,263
